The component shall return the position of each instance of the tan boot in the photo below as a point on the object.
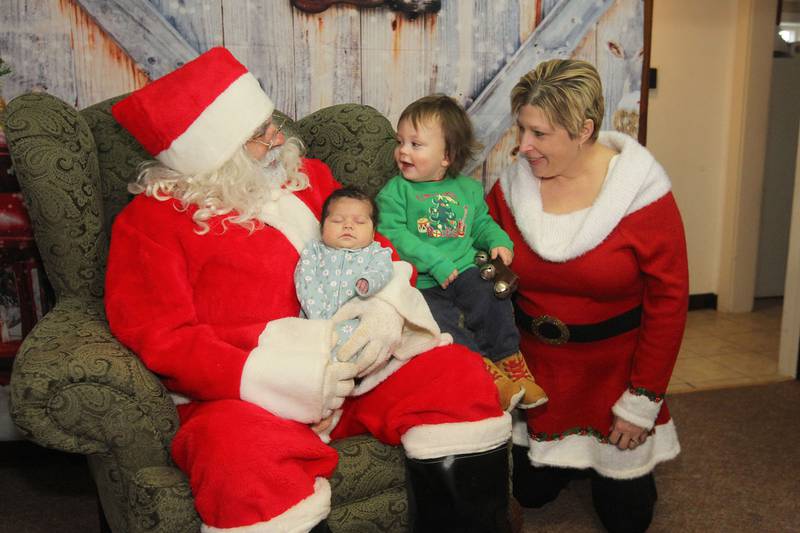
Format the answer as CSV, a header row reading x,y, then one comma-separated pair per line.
x,y
515,367
510,393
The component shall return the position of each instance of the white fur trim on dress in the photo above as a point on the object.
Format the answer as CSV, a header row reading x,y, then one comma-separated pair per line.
x,y
429,441
586,451
637,409
299,518
635,181
221,129
285,372
291,216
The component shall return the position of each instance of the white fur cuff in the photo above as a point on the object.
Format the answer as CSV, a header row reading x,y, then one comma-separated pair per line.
x,y
438,440
637,409
297,519
285,373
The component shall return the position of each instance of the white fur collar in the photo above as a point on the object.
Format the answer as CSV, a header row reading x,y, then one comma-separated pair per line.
x,y
635,181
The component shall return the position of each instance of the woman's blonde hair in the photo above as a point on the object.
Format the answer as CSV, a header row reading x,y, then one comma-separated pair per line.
x,y
568,91
240,188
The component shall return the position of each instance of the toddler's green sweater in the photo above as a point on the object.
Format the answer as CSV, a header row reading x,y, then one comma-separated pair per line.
x,y
438,226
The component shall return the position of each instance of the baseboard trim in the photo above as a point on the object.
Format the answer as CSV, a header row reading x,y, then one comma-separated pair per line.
x,y
707,300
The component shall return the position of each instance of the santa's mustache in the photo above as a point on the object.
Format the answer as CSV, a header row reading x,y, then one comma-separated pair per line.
x,y
273,166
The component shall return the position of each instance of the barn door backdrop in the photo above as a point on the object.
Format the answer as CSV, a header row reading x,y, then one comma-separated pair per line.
x,y
85,51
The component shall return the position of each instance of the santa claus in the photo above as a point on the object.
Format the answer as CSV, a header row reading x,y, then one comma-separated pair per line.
x,y
200,286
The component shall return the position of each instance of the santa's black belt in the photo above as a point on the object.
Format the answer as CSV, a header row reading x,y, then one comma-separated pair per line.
x,y
551,330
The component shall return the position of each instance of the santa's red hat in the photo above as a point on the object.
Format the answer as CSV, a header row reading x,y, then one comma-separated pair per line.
x,y
196,117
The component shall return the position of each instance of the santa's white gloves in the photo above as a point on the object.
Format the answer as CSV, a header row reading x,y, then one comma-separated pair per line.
x,y
377,335
337,386
290,372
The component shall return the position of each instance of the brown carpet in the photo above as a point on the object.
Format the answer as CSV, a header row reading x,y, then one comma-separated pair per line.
x,y
43,491
739,472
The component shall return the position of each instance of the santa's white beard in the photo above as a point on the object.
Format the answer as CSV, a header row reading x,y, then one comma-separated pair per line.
x,y
238,189
273,169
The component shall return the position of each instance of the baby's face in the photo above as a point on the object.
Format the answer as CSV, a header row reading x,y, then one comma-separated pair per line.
x,y
349,224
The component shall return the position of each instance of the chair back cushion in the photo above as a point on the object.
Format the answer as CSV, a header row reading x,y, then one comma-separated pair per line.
x,y
355,141
118,156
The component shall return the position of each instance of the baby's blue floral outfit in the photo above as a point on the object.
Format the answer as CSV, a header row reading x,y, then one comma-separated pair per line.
x,y
325,278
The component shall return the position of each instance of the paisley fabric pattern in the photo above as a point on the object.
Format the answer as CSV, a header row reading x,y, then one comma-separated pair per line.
x,y
354,140
369,492
119,156
75,388
162,501
53,153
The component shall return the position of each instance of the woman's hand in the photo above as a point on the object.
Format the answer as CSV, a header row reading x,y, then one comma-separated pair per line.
x,y
626,436
450,279
505,254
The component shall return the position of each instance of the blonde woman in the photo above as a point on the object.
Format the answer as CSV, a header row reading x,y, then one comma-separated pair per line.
x,y
602,300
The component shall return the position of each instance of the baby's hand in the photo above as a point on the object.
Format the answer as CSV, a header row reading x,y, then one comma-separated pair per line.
x,y
450,279
362,286
505,254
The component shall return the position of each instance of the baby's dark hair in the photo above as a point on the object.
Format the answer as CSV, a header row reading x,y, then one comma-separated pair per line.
x,y
354,193
459,137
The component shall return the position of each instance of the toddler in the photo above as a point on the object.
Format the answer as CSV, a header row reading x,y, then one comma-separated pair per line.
x,y
437,219
346,263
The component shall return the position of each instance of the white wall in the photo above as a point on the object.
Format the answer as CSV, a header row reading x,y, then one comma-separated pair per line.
x,y
688,120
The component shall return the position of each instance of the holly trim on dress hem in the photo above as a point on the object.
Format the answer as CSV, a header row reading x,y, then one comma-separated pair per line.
x,y
641,391
581,431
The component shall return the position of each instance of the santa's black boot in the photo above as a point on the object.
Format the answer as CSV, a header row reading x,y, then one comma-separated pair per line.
x,y
460,493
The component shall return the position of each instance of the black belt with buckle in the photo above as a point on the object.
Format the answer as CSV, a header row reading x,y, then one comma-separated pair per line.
x,y
551,330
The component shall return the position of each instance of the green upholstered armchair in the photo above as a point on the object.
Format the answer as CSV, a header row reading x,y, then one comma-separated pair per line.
x,y
75,388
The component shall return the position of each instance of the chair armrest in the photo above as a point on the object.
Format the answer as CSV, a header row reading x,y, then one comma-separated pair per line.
x,y
161,501
75,388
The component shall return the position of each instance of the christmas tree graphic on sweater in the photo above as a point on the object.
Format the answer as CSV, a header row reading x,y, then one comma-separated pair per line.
x,y
442,220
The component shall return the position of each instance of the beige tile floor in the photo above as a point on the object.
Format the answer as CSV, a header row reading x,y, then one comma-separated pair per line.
x,y
723,350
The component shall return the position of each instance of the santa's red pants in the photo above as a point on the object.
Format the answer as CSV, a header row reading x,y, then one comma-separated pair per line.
x,y
247,466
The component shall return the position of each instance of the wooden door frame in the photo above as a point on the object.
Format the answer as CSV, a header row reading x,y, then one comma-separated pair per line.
x,y
647,27
789,350
746,154
747,149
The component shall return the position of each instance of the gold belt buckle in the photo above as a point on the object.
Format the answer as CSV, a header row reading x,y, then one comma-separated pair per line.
x,y
542,322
